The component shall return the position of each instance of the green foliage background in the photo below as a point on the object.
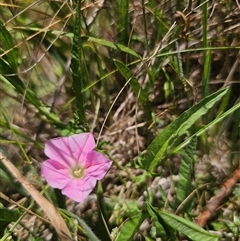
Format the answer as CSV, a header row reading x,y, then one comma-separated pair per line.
x,y
157,82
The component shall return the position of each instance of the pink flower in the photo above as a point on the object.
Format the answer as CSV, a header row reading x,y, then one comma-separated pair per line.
x,y
73,166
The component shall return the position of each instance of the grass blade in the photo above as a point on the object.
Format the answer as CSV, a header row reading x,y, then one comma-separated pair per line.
x,y
184,187
186,227
52,213
206,53
85,227
7,42
190,229
76,66
206,127
177,128
123,22
112,45
127,74
8,65
164,230
130,226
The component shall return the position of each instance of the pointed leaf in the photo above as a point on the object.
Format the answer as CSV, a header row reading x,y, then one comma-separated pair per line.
x,y
7,43
190,229
184,187
127,74
88,232
90,39
130,227
113,46
163,229
177,128
206,127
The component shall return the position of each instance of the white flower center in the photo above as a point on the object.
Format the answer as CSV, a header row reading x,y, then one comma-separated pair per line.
x,y
77,172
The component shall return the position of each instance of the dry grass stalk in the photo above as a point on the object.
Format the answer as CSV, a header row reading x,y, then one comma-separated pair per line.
x,y
51,212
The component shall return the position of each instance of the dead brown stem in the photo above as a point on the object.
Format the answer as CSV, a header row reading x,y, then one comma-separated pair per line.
x,y
216,200
52,213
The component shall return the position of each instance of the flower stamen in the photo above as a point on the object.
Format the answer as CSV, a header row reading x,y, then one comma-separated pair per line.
x,y
77,172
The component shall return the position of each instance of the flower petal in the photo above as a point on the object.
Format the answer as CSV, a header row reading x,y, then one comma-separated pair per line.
x,y
97,165
57,149
79,189
56,175
68,150
81,145
67,155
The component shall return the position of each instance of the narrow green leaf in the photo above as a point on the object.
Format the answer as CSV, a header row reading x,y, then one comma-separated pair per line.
x,y
113,45
4,123
206,127
130,227
206,72
123,25
103,217
184,187
85,38
8,65
207,53
177,128
17,83
6,217
188,228
89,233
127,74
6,42
163,229
76,66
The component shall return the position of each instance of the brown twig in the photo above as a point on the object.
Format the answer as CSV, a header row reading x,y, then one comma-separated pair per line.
x,y
215,201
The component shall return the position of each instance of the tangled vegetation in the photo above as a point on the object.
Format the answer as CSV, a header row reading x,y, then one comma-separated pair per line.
x,y
157,83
